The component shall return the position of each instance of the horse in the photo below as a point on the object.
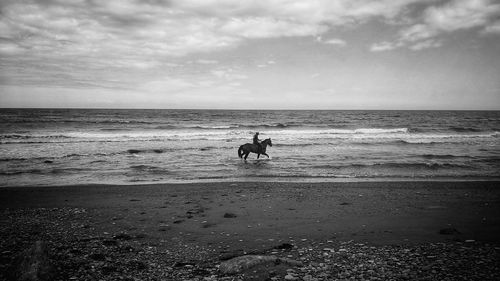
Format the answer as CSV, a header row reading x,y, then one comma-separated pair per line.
x,y
250,147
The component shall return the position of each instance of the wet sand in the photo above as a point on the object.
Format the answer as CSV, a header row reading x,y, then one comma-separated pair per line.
x,y
210,222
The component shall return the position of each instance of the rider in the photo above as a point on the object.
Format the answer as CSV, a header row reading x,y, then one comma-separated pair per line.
x,y
257,141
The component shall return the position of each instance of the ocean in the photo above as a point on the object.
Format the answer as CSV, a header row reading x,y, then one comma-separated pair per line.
x,y
41,147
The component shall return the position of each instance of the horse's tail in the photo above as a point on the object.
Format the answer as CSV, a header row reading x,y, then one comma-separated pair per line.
x,y
240,151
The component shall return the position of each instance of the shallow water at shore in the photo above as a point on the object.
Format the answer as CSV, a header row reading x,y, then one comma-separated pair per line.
x,y
47,147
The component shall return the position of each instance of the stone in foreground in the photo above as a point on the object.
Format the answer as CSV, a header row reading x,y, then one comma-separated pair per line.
x,y
242,263
32,264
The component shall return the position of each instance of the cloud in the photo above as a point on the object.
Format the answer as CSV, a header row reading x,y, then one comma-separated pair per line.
x,y
10,48
138,29
167,85
384,46
228,74
118,28
202,61
493,28
336,42
333,41
266,64
60,42
318,12
417,32
266,27
449,17
459,14
425,45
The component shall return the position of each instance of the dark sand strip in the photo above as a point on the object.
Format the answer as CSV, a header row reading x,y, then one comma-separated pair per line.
x,y
378,212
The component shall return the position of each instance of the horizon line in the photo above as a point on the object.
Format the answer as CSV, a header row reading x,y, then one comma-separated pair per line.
x,y
243,109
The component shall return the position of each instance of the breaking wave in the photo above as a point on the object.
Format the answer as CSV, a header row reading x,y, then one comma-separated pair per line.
x,y
394,165
286,136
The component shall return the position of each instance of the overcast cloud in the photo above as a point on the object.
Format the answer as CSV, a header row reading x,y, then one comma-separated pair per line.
x,y
175,51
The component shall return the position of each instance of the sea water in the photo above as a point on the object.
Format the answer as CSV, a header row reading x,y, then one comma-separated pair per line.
x,y
97,146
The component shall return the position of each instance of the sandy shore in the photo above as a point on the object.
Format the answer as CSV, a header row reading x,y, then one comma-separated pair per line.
x,y
195,226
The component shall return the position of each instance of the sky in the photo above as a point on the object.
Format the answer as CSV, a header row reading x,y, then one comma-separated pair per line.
x,y
259,54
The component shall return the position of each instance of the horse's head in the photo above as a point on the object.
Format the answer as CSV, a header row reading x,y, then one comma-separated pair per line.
x,y
268,142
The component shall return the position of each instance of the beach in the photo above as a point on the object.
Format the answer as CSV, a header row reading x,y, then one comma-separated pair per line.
x,y
142,194
249,140
414,230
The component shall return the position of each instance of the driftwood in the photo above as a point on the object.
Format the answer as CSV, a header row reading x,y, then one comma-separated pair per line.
x,y
239,264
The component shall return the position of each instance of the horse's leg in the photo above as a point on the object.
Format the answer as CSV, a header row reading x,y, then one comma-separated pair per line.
x,y
246,155
265,154
258,155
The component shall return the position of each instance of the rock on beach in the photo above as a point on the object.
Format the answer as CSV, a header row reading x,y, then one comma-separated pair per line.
x,y
32,264
242,263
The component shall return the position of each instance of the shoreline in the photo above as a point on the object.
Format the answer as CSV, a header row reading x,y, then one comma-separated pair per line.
x,y
298,180
222,219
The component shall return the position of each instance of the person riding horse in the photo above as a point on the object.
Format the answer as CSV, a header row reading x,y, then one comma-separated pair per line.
x,y
257,141
257,148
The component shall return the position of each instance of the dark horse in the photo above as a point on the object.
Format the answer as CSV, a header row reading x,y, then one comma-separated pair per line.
x,y
250,147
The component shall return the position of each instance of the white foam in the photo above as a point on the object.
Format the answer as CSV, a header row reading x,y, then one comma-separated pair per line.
x,y
381,131
282,135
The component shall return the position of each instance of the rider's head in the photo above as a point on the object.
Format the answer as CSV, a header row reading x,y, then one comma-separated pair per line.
x,y
257,133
